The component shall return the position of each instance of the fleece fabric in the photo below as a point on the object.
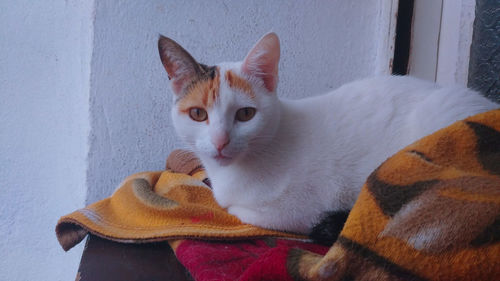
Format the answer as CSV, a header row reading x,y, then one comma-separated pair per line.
x,y
154,206
430,212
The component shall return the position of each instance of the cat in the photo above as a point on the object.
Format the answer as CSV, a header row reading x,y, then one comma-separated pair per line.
x,y
287,164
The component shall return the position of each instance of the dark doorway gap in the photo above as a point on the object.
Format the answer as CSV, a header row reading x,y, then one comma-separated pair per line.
x,y
402,42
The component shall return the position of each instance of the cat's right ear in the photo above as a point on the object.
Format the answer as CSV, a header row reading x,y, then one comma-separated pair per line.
x,y
262,61
181,67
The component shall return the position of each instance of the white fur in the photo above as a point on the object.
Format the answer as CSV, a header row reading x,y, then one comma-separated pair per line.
x,y
299,158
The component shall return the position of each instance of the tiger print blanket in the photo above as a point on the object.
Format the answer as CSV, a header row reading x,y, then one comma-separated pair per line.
x,y
430,212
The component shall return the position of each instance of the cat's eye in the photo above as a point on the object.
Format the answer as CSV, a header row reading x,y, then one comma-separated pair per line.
x,y
198,114
244,114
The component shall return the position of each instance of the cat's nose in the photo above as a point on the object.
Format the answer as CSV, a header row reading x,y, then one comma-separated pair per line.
x,y
220,141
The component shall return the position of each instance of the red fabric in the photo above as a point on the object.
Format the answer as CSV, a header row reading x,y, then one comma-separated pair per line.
x,y
249,260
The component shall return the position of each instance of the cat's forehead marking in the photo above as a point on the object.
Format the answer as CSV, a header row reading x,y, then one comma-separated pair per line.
x,y
237,82
203,93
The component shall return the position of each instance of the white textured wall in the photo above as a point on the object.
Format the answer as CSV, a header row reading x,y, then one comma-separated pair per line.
x,y
85,100
45,49
324,44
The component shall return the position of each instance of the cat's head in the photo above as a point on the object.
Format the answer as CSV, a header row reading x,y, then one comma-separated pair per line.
x,y
227,111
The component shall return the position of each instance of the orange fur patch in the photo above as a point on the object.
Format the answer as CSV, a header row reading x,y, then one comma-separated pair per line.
x,y
237,82
202,94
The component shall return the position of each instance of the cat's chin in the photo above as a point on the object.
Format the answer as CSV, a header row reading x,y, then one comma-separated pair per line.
x,y
222,160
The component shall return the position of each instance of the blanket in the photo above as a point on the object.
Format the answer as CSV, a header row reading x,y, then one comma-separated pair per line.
x,y
155,206
430,212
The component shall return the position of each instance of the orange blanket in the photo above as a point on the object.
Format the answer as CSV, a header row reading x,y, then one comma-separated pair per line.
x,y
430,212
153,206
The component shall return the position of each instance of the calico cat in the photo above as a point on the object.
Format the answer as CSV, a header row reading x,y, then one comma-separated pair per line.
x,y
283,164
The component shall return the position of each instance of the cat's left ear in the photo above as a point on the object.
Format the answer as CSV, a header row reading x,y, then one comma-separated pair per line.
x,y
181,67
263,59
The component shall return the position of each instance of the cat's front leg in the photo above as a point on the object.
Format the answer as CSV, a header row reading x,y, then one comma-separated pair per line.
x,y
247,215
270,218
244,214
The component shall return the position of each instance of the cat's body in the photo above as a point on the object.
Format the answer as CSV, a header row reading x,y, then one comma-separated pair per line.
x,y
293,160
324,148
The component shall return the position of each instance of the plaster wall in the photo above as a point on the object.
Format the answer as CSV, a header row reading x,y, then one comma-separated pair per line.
x,y
324,44
45,50
85,99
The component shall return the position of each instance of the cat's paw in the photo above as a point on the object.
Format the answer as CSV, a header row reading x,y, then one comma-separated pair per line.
x,y
245,215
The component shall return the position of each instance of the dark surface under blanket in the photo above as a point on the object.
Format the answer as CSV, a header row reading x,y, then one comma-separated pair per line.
x,y
112,261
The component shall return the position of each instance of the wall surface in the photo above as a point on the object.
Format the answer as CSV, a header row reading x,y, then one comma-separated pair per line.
x,y
324,44
85,99
45,50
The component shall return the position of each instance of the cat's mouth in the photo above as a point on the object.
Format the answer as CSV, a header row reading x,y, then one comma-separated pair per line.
x,y
222,159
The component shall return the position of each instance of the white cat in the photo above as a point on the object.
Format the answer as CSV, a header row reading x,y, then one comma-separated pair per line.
x,y
280,163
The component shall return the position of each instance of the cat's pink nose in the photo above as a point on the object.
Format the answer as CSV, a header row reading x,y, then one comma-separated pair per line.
x,y
220,141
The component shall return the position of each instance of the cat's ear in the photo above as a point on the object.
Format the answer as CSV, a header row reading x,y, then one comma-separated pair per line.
x,y
262,61
181,67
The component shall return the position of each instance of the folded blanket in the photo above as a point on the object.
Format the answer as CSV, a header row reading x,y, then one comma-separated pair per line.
x,y
154,206
178,203
430,212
